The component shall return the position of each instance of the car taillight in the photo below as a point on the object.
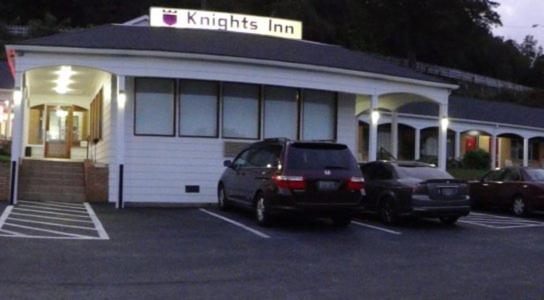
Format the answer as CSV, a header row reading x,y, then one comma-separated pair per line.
x,y
290,182
356,183
419,189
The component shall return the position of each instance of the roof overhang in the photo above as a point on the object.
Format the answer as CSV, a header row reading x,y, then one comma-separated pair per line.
x,y
163,54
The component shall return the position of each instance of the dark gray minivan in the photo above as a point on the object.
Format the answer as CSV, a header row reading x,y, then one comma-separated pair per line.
x,y
280,175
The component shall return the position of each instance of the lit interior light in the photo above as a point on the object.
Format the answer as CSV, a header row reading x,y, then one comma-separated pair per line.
x,y
375,116
445,122
17,97
63,81
6,103
61,113
122,99
473,133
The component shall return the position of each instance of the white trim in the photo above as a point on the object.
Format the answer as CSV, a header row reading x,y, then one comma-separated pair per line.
x,y
148,53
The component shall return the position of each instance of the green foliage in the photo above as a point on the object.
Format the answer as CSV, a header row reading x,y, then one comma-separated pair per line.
x,y
467,174
477,159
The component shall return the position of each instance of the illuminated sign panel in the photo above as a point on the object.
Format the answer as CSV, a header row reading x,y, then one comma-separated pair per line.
x,y
199,19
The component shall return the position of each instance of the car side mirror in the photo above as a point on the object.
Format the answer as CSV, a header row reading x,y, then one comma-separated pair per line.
x,y
227,163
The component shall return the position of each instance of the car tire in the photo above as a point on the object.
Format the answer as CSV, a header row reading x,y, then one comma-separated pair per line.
x,y
222,200
262,215
341,220
388,214
519,207
449,220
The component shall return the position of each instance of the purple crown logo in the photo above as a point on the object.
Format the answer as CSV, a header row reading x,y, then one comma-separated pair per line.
x,y
169,17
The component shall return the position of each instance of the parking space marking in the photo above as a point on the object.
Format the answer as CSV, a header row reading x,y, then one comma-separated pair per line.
x,y
235,223
358,223
36,220
498,222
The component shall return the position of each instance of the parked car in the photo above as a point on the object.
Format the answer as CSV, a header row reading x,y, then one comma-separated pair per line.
x,y
402,189
280,175
520,190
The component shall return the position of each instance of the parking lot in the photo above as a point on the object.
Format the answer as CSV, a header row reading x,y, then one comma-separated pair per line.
x,y
206,253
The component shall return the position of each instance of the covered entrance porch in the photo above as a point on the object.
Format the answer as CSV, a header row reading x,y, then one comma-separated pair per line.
x,y
64,112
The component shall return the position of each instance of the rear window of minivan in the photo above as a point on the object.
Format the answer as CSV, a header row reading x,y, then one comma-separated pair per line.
x,y
315,156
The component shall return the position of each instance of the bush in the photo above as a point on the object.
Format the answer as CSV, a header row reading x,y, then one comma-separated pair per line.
x,y
477,159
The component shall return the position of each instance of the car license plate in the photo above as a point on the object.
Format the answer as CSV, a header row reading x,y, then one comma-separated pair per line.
x,y
326,185
448,191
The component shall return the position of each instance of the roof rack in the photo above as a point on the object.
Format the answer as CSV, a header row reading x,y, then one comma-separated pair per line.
x,y
282,139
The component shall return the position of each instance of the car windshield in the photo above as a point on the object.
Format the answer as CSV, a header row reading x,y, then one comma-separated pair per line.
x,y
536,174
314,156
423,173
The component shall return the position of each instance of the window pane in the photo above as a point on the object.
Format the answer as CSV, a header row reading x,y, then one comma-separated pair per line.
x,y
319,115
240,111
154,106
280,108
198,108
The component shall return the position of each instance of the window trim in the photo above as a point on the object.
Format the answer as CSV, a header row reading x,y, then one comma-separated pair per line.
x,y
259,112
218,110
174,106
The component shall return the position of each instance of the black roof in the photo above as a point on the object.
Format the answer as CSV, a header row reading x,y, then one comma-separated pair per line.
x,y
482,110
6,79
226,44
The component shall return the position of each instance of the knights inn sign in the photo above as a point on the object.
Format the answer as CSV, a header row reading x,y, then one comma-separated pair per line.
x,y
199,19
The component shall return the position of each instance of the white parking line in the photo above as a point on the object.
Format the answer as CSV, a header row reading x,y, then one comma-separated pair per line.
x,y
498,222
52,224
48,231
256,232
97,224
51,213
50,218
70,210
25,222
55,204
376,227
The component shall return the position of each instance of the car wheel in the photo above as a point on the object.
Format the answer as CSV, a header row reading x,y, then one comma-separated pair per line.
x,y
341,220
222,199
261,212
449,220
519,206
387,212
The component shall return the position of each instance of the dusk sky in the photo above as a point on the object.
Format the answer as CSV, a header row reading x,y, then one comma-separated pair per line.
x,y
518,17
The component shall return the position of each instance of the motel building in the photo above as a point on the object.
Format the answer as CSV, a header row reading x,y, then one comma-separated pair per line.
x,y
159,102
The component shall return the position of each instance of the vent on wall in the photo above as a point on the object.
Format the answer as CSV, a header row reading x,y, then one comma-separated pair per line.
x,y
192,189
231,149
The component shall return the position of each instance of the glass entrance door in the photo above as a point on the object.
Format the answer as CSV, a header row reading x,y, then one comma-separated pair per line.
x,y
58,133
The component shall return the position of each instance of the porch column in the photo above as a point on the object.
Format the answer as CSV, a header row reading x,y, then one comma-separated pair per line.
x,y
17,135
525,152
457,144
493,150
120,101
443,136
8,118
394,135
417,150
373,129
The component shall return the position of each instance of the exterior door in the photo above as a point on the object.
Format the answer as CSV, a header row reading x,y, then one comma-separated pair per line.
x,y
58,129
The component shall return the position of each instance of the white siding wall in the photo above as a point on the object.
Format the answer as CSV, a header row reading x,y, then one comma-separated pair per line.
x,y
158,168
103,152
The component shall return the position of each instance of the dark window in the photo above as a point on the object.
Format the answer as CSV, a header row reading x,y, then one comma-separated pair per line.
x,y
265,157
241,113
198,108
494,176
382,172
313,156
423,173
154,107
512,175
243,159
